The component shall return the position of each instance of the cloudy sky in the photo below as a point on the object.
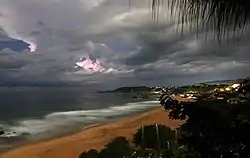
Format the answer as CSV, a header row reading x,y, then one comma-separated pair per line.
x,y
132,49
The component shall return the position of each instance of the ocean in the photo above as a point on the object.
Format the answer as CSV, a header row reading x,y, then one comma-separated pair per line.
x,y
33,114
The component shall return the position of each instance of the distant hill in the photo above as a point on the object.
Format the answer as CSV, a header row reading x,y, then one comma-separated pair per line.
x,y
140,89
224,81
218,82
239,80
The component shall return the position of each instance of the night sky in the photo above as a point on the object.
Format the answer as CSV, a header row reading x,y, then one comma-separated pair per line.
x,y
132,49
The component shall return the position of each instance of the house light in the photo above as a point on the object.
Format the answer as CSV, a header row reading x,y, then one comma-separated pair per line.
x,y
222,90
235,85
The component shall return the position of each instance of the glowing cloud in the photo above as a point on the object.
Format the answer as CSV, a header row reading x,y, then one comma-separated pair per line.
x,y
32,44
90,65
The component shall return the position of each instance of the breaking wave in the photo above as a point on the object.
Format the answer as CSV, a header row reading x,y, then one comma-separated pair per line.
x,y
59,121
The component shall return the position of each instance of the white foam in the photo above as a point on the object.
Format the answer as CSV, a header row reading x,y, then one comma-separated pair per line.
x,y
8,135
62,120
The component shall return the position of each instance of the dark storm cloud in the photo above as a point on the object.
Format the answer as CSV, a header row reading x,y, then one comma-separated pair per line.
x,y
183,50
10,63
153,49
132,48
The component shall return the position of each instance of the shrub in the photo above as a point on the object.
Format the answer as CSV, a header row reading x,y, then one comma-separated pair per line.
x,y
144,154
90,154
118,148
148,137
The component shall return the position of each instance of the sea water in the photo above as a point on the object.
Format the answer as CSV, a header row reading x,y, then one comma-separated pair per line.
x,y
31,114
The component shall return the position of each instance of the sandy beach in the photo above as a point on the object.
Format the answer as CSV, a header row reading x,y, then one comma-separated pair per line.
x,y
93,137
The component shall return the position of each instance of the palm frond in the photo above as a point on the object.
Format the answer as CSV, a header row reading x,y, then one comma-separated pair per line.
x,y
226,18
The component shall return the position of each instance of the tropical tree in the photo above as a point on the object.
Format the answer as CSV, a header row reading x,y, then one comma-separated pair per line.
x,y
154,137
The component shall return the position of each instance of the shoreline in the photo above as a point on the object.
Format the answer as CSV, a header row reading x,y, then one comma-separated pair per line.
x,y
93,136
73,132
34,142
70,133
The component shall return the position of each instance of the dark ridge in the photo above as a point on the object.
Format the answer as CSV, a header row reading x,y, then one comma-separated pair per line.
x,y
129,90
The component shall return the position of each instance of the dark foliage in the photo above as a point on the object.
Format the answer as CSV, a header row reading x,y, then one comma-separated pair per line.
x,y
245,87
178,110
154,137
141,153
118,148
216,132
90,154
2,132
